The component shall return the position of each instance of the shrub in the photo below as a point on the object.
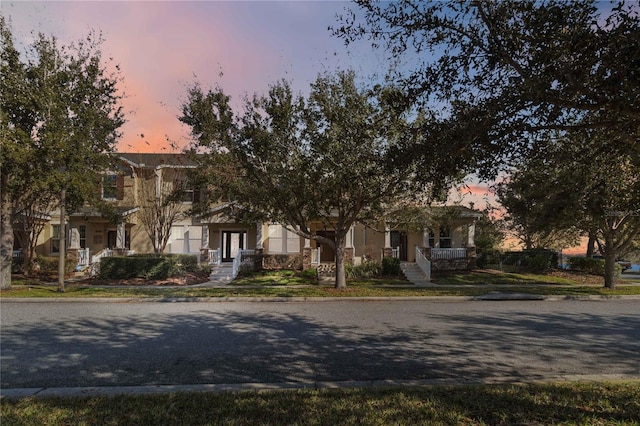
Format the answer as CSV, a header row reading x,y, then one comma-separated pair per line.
x,y
368,269
150,266
311,273
48,265
591,266
188,262
390,266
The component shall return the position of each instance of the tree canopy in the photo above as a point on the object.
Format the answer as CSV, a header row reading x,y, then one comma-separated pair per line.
x,y
586,183
60,110
292,160
503,71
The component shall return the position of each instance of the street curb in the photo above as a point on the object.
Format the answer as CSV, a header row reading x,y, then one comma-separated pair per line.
x,y
492,296
79,392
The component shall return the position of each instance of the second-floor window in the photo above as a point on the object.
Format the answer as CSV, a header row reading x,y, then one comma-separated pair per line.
x,y
187,192
110,187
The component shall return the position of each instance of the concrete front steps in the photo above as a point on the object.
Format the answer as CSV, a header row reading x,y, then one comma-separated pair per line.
x,y
413,273
222,274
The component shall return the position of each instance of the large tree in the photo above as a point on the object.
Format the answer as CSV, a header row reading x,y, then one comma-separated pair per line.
x,y
588,183
502,71
288,159
60,110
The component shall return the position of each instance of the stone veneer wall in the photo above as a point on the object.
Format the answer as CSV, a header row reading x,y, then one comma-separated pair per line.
x,y
467,263
282,261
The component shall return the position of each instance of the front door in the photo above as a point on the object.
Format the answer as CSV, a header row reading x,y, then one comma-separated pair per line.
x,y
232,242
327,253
399,240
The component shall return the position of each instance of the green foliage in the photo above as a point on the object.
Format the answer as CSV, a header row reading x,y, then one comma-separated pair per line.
x,y
502,71
390,267
187,262
311,273
151,267
593,403
489,231
59,112
368,269
292,160
48,265
535,260
591,266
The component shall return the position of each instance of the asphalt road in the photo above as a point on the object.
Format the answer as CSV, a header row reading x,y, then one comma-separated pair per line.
x,y
73,344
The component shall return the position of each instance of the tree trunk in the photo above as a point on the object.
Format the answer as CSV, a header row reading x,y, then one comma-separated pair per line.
x,y
63,240
6,236
591,245
341,279
610,277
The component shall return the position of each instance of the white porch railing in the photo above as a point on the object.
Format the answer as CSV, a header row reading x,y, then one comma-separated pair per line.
x,y
423,263
84,257
395,252
99,255
243,257
315,256
448,253
214,257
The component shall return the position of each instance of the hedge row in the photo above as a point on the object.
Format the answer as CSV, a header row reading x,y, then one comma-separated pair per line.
x,y
154,267
591,266
535,260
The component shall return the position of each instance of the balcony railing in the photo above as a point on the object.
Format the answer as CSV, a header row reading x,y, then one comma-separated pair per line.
x,y
448,253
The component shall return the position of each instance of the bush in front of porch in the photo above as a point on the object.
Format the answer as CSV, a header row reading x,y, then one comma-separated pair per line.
x,y
148,266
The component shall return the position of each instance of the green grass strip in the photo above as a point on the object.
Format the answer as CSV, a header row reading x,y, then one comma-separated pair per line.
x,y
567,403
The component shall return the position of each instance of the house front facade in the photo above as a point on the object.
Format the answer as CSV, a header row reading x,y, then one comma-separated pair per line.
x,y
134,188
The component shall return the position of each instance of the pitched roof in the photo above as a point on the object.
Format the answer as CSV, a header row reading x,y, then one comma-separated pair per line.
x,y
157,160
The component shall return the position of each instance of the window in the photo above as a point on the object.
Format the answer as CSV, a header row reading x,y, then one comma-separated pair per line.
x,y
432,238
282,240
82,231
109,187
445,238
55,239
187,193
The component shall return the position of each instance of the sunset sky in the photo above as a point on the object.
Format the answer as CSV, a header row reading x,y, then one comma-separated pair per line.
x,y
163,47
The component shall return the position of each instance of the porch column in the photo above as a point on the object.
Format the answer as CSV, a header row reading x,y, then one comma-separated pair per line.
x,y
425,237
204,239
259,245
120,235
349,242
471,241
387,251
74,238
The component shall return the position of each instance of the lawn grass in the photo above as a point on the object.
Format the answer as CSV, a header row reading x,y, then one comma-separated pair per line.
x,y
354,290
567,403
286,284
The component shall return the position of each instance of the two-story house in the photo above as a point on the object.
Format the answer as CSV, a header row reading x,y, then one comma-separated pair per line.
x,y
135,191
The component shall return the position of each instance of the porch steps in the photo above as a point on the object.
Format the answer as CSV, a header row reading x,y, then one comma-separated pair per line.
x,y
414,274
222,274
